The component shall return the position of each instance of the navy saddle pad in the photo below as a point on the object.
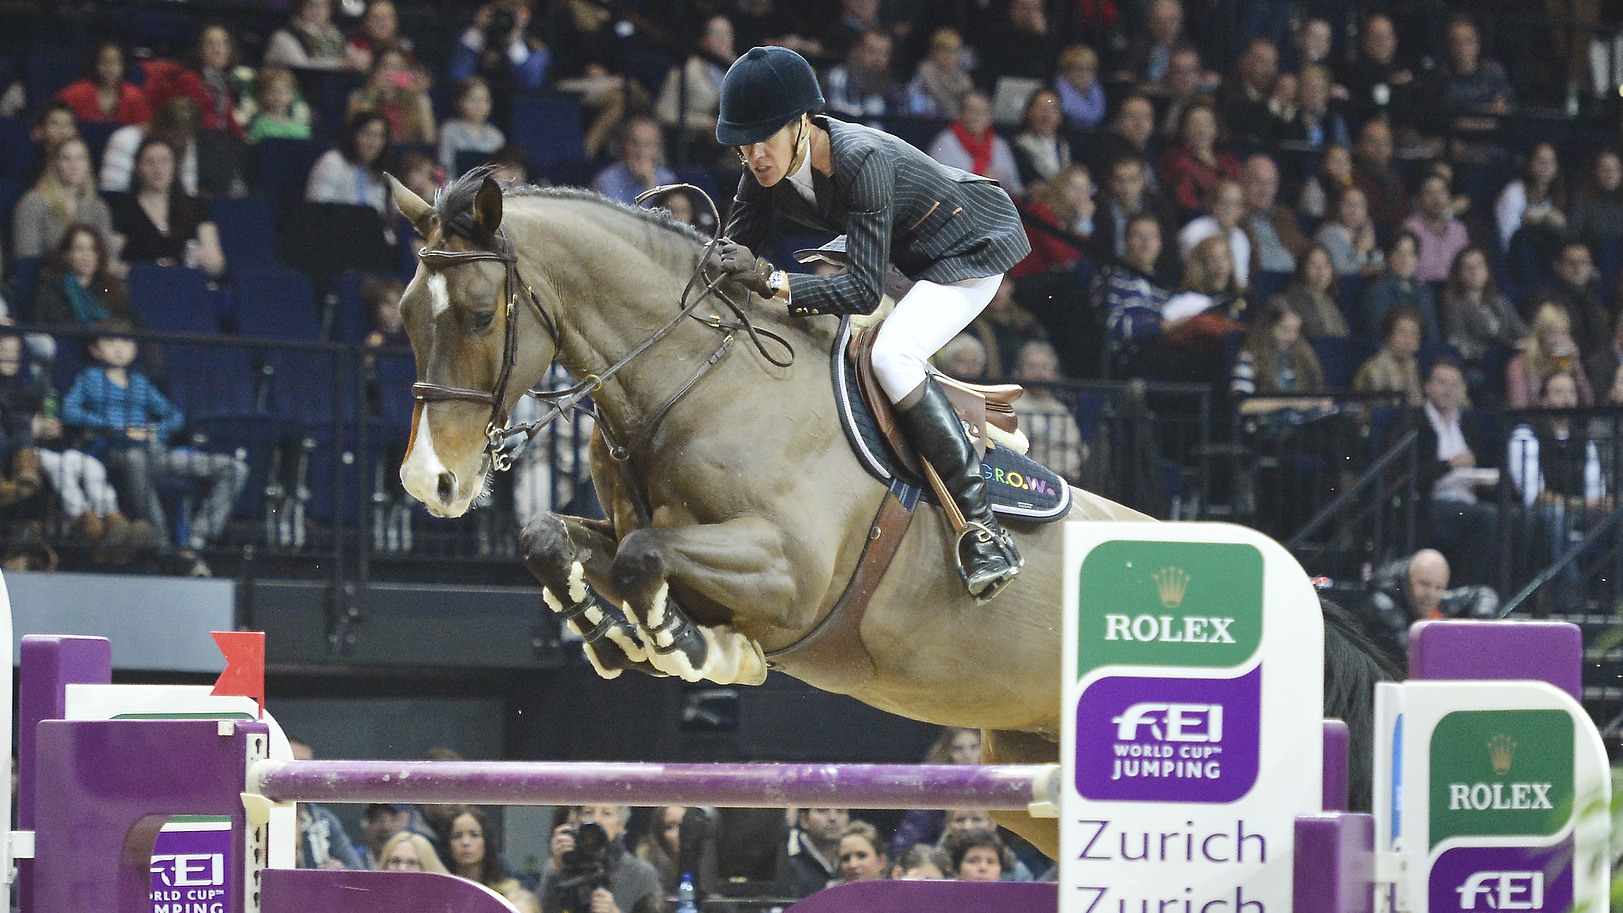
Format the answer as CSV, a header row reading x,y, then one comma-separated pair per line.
x,y
1020,488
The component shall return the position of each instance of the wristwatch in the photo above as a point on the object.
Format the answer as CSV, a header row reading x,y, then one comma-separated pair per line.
x,y
778,282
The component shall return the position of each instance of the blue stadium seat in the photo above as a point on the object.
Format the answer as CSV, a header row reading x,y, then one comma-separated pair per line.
x,y
284,168
24,276
1340,358
172,299
1265,285
47,73
548,128
10,193
16,150
212,383
96,137
276,303
247,232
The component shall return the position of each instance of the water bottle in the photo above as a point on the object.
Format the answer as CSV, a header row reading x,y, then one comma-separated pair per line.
x,y
685,897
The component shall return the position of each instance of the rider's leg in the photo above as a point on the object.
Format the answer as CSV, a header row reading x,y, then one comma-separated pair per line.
x,y
924,320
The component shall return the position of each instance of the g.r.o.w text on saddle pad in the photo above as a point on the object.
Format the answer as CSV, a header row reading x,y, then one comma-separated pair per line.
x,y
1019,487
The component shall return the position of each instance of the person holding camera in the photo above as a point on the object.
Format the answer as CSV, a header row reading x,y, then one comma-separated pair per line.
x,y
592,872
497,48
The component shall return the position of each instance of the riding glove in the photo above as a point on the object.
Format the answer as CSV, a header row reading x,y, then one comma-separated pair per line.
x,y
752,272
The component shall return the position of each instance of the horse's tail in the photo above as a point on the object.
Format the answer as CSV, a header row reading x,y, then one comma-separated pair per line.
x,y
1352,666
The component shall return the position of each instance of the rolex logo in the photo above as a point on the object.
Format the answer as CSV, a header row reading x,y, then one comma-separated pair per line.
x,y
1501,752
1170,584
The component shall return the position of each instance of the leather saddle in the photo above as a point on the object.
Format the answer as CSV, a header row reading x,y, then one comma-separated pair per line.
x,y
978,405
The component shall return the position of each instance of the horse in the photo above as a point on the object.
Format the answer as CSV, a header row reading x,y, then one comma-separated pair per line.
x,y
736,510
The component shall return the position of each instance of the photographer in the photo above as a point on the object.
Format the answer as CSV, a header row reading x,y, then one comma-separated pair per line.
x,y
497,49
591,871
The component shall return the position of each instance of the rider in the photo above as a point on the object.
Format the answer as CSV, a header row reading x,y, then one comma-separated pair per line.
x,y
953,232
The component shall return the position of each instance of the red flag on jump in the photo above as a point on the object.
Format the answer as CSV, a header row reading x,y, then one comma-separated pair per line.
x,y
244,665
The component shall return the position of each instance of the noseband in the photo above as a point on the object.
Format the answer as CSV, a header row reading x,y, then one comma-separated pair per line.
x,y
564,402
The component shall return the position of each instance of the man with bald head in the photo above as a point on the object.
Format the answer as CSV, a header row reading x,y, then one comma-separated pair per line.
x,y
1276,237
1404,592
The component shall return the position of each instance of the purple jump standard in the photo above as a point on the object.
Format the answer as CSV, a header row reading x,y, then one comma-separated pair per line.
x,y
1007,787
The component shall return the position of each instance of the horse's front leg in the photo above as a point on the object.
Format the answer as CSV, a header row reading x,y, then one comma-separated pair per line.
x,y
569,555
740,562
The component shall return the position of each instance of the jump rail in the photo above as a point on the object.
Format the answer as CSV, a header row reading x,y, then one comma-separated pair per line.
x,y
1004,787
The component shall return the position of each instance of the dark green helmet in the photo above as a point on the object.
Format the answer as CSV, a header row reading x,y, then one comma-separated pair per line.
x,y
762,91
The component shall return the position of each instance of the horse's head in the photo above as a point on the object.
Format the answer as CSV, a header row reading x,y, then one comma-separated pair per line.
x,y
465,311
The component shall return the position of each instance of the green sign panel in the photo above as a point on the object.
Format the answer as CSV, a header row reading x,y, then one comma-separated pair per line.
x,y
1501,773
1193,604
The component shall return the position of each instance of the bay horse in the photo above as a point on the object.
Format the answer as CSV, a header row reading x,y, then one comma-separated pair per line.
x,y
736,509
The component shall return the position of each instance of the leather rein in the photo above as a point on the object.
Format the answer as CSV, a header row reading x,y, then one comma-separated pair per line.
x,y
562,403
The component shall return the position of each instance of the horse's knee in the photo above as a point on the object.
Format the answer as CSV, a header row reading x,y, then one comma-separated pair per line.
x,y
639,565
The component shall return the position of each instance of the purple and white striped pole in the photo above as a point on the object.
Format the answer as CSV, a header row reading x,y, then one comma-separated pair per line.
x,y
900,786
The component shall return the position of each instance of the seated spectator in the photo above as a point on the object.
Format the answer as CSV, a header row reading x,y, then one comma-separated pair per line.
x,y
128,424
641,165
54,124
77,286
661,845
1048,420
380,28
1441,235
1312,296
310,41
1600,365
953,745
1310,45
207,77
1349,236
176,121
393,89
1413,589
64,196
861,853
1531,210
850,20
80,480
978,855
1191,169
470,130
862,88
1397,287
159,222
1197,321
1317,121
1275,359
1244,104
942,79
1556,468
1270,226
475,847
1225,207
1041,151
692,117
1547,350
1577,291
1459,523
1472,84
1130,294
1184,82
1394,369
1131,129
1375,173
1076,83
279,112
1149,55
1127,195
1066,205
1327,183
964,357
322,841
1021,44
380,822
1377,81
103,95
1596,216
809,859
921,862
1477,317
498,48
971,144
407,851
1003,328
352,171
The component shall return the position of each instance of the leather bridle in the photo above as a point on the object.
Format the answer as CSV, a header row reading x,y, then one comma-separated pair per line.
x,y
499,429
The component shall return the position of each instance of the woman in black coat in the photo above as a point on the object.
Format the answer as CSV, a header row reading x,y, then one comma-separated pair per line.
x,y
953,233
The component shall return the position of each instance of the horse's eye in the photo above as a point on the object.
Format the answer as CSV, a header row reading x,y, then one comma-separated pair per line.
x,y
479,321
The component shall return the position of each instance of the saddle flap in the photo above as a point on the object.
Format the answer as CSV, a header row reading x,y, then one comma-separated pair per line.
x,y
974,408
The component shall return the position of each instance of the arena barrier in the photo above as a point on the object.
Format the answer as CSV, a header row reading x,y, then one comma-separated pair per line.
x,y
107,786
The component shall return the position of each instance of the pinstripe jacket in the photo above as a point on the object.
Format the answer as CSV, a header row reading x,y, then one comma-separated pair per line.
x,y
896,205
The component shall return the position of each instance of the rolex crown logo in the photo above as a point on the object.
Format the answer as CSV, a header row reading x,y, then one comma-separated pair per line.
x,y
1170,584
1501,752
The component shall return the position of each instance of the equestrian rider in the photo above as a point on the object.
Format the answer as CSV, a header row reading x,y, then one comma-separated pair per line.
x,y
953,232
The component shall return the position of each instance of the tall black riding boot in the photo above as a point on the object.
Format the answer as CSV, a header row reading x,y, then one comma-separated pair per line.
x,y
987,557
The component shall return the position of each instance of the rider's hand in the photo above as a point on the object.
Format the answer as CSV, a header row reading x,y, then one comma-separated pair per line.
x,y
750,271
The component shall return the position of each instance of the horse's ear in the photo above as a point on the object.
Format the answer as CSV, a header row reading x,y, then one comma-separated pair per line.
x,y
487,207
413,207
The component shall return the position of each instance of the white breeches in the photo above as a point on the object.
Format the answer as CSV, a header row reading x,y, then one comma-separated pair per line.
x,y
926,318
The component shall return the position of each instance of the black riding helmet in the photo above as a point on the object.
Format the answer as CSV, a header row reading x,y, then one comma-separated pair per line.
x,y
762,91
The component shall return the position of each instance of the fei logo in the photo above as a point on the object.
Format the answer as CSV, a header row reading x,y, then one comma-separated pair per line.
x,y
1169,739
1498,878
1503,891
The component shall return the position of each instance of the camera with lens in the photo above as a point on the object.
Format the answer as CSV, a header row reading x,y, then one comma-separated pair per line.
x,y
583,869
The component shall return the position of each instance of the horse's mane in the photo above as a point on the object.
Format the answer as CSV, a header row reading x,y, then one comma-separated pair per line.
x,y
454,206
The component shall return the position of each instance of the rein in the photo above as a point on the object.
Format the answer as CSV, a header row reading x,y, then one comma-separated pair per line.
x,y
562,403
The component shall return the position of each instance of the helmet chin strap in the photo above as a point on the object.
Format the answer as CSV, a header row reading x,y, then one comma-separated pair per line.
x,y
802,146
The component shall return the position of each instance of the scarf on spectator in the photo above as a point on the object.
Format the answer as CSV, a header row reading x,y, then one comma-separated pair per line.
x,y
87,308
979,149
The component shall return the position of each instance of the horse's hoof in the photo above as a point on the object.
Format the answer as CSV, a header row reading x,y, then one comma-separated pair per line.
x,y
609,661
638,564
549,553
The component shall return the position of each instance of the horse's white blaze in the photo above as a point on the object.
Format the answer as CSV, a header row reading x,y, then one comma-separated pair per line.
x,y
439,296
